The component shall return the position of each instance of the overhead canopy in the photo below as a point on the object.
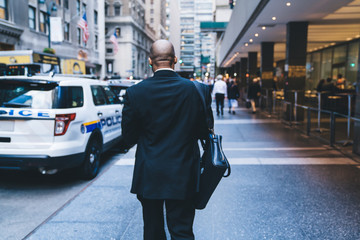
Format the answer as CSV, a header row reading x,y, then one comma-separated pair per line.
x,y
256,21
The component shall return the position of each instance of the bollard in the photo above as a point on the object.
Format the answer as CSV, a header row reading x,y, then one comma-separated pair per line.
x,y
290,112
349,117
274,101
332,129
319,110
308,129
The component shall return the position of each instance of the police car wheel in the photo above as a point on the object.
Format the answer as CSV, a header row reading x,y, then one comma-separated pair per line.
x,y
90,166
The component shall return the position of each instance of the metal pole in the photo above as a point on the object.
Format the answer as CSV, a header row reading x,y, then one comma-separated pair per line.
x,y
308,122
349,117
48,21
332,129
290,117
319,110
274,101
295,105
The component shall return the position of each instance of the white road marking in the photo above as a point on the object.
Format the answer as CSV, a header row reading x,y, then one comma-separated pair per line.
x,y
269,161
269,149
277,149
244,121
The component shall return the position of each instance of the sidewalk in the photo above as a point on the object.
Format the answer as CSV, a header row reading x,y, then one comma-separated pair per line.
x,y
283,186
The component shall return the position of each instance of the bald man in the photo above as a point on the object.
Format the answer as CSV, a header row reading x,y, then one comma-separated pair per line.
x,y
163,115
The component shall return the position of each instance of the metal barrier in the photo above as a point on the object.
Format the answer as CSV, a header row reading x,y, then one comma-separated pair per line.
x,y
319,110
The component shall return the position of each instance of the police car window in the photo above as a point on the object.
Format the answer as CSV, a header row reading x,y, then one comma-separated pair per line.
x,y
98,95
23,94
111,97
69,97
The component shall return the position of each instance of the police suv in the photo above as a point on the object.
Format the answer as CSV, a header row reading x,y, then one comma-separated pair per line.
x,y
54,123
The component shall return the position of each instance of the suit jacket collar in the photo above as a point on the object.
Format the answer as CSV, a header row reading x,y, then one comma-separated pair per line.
x,y
165,73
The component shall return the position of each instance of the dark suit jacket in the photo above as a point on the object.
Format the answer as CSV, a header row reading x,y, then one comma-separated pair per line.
x,y
164,116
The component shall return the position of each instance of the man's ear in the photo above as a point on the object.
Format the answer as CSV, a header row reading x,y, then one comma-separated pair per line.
x,y
175,60
150,62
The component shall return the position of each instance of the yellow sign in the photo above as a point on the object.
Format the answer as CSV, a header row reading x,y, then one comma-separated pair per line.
x,y
15,59
73,66
297,71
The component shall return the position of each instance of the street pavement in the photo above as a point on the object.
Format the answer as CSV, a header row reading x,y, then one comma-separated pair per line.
x,y
284,185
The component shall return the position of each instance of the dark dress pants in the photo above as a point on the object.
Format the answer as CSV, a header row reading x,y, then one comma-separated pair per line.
x,y
219,98
179,218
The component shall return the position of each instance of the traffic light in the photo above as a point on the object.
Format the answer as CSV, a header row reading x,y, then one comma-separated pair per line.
x,y
231,4
180,61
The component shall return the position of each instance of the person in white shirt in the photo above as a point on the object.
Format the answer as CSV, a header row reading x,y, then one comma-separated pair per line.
x,y
220,90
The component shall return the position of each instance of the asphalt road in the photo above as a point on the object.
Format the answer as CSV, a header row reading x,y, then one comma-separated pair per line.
x,y
28,198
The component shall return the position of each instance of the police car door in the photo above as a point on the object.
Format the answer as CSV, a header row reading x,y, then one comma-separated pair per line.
x,y
109,112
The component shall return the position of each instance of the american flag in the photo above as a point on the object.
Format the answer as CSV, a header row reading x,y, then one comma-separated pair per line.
x,y
84,26
113,39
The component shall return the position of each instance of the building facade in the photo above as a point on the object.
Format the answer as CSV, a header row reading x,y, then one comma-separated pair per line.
x,y
155,16
24,25
126,18
173,27
197,53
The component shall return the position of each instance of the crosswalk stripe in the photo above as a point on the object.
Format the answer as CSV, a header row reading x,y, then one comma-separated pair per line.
x,y
268,149
270,161
244,121
277,149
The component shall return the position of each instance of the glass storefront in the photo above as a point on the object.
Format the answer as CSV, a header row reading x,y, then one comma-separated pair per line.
x,y
328,63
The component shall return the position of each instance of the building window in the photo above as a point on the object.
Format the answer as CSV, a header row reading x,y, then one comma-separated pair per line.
x,y
118,32
96,42
95,17
106,30
66,31
3,9
78,36
43,22
78,7
58,2
152,11
66,4
106,9
83,8
109,66
109,50
151,20
32,18
117,8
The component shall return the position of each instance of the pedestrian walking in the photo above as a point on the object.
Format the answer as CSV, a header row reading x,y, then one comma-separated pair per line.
x,y
233,95
164,116
220,90
254,93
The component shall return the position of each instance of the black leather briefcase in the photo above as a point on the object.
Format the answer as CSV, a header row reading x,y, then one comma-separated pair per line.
x,y
213,167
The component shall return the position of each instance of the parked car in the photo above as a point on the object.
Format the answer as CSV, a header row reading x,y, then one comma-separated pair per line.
x,y
120,86
55,123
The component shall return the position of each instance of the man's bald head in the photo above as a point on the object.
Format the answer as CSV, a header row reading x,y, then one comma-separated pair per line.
x,y
162,54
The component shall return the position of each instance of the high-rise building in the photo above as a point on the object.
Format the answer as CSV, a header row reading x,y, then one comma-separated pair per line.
x,y
173,27
196,48
126,19
155,16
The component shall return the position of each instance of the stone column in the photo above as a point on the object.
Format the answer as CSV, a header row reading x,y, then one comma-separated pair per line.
x,y
267,65
243,72
295,63
252,65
